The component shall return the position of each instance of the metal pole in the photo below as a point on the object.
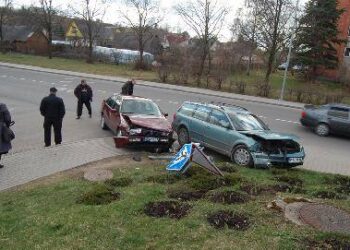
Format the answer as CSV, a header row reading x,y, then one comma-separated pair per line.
x,y
289,52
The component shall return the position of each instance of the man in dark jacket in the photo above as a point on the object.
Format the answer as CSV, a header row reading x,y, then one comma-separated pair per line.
x,y
128,87
84,94
53,110
5,120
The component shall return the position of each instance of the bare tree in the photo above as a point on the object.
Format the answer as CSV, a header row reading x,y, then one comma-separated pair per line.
x,y
147,18
44,16
248,25
273,24
91,12
5,8
205,18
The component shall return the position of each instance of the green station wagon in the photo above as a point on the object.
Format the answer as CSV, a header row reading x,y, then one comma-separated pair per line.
x,y
235,132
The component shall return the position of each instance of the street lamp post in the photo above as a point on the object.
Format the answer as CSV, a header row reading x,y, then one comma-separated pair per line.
x,y
289,51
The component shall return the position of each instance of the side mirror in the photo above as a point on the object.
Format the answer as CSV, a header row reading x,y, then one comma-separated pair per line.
x,y
166,114
225,124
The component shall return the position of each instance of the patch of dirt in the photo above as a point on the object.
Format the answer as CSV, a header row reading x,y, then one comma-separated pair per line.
x,y
291,180
234,221
281,187
119,182
229,197
172,209
96,175
323,194
164,178
330,243
187,195
99,195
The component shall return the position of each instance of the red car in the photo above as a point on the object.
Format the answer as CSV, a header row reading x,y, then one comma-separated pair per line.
x,y
136,121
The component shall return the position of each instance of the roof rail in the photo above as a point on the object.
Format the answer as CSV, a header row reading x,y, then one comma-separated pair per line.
x,y
223,104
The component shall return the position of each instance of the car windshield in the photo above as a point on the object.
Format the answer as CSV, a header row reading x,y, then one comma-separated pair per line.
x,y
246,122
140,107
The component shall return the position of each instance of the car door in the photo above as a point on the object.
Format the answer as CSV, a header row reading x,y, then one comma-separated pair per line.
x,y
338,118
217,132
111,114
198,123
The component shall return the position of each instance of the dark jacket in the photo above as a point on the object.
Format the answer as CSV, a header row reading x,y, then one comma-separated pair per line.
x,y
128,88
83,92
5,120
52,107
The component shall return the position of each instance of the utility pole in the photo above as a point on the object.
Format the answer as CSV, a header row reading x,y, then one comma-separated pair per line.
x,y
290,51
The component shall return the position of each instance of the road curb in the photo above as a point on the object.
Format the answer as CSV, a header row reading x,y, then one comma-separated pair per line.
x,y
165,86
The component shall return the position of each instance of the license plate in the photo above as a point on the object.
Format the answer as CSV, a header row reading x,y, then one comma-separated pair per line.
x,y
151,139
295,160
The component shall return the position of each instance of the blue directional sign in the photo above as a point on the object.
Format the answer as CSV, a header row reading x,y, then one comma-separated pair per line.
x,y
181,159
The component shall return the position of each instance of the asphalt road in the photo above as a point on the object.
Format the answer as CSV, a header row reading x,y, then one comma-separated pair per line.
x,y
22,91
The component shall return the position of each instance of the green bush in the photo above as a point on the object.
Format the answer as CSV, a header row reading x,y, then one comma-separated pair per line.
x,y
98,195
119,182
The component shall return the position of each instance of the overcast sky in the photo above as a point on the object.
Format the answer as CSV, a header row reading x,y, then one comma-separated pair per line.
x,y
166,6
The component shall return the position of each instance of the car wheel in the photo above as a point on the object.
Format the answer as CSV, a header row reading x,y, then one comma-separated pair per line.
x,y
242,156
103,123
183,136
322,129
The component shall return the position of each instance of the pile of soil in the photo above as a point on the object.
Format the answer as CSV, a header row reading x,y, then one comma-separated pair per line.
x,y
291,180
281,187
229,197
187,195
330,243
222,219
323,194
172,209
99,195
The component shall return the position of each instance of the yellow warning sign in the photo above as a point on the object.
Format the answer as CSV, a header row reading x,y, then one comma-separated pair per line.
x,y
73,31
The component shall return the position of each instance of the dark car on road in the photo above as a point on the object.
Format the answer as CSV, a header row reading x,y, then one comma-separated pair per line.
x,y
237,133
327,119
136,121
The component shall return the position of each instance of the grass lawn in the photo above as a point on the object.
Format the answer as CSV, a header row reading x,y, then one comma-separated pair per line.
x,y
55,214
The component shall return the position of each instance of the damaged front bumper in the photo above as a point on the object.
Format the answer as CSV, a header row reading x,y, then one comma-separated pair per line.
x,y
264,160
142,141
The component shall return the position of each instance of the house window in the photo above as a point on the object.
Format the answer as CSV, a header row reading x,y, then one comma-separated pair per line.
x,y
347,52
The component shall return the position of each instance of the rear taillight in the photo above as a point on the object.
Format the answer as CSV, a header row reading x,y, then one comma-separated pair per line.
x,y
303,114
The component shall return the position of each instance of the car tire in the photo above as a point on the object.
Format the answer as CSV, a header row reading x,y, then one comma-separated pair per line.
x,y
183,136
242,157
103,123
322,129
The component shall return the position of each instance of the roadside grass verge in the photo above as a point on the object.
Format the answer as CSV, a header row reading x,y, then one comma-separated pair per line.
x,y
294,82
51,216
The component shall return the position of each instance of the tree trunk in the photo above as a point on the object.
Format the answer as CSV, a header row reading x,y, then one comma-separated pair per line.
x,y
49,43
140,64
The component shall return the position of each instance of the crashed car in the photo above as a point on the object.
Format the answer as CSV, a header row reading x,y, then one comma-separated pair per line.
x,y
136,121
235,132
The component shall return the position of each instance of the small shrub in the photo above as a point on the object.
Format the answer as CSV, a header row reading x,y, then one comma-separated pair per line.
x,y
210,182
119,182
98,195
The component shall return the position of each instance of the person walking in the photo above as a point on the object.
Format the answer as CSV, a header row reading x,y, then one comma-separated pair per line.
x,y
84,94
5,122
128,87
53,110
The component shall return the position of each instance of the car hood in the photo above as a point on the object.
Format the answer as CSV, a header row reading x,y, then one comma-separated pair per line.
x,y
151,122
269,135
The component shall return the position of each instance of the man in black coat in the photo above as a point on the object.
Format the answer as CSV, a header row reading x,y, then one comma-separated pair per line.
x,y
53,110
84,94
5,120
128,87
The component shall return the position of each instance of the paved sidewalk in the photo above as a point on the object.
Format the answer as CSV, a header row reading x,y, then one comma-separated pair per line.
x,y
161,85
24,167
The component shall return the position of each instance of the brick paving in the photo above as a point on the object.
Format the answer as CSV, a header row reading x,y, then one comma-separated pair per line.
x,y
23,167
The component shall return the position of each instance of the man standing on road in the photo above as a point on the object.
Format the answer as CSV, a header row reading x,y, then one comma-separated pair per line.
x,y
128,87
84,94
53,110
